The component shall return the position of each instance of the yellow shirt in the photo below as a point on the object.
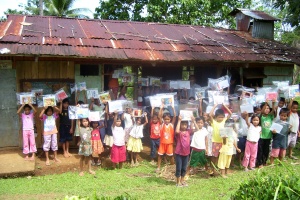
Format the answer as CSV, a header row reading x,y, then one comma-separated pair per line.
x,y
216,130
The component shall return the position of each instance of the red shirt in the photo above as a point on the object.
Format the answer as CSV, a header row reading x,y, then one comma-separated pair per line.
x,y
95,134
167,134
183,143
155,130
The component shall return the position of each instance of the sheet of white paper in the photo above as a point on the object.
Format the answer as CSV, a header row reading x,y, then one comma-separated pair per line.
x,y
94,116
223,84
247,107
115,105
218,99
184,85
174,85
186,114
277,127
93,92
155,101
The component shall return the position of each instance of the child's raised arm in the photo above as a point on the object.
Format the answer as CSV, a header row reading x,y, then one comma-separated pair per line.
x,y
195,124
291,103
211,114
174,116
200,107
20,109
84,97
146,119
229,111
56,109
32,107
160,114
91,104
245,114
177,130
115,118
273,106
60,107
43,111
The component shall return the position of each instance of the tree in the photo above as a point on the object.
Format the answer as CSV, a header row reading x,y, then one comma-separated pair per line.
x,y
197,12
63,8
293,10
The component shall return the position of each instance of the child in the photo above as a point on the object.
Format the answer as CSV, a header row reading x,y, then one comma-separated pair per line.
x,y
108,139
217,122
85,147
242,135
50,132
253,135
154,134
199,145
294,122
96,106
134,144
182,150
166,137
226,150
279,144
118,150
281,104
97,146
65,127
266,119
28,130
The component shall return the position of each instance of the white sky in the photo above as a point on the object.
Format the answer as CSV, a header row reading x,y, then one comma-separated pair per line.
x,y
13,4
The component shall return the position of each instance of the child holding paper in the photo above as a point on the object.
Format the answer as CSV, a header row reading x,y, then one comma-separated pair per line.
x,y
28,130
166,137
281,104
50,131
266,119
294,132
134,144
128,121
279,144
65,127
97,145
155,126
218,121
95,105
108,139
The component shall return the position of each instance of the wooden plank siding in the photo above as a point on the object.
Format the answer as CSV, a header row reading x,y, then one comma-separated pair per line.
x,y
42,70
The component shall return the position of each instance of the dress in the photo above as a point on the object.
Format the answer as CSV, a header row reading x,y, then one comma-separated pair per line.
x,y
226,152
135,143
85,147
96,143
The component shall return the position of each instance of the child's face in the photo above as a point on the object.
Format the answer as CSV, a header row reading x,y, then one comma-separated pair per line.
x,y
65,105
154,120
267,110
111,115
255,121
118,123
258,111
200,124
280,104
27,111
283,116
95,125
138,121
205,115
183,126
220,118
294,108
85,122
96,101
167,120
49,112
128,110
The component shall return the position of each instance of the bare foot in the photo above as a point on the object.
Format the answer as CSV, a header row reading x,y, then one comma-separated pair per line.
x,y
81,173
26,158
92,172
66,155
70,155
32,158
57,160
224,176
47,162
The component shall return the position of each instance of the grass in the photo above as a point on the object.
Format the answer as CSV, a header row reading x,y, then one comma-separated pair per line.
x,y
139,182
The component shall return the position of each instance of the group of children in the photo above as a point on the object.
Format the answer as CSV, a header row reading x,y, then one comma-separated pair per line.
x,y
201,141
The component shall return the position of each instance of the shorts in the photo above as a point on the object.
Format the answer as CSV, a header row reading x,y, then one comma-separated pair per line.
x,y
292,139
278,152
198,157
165,149
64,133
242,143
50,140
224,161
216,149
134,144
118,154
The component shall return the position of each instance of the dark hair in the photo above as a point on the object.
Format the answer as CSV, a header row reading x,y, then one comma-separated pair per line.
x,y
253,116
80,102
192,98
284,111
155,115
66,100
219,112
282,99
295,103
166,115
27,106
49,108
200,118
256,108
265,103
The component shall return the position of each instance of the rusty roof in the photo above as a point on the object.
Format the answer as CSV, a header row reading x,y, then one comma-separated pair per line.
x,y
136,41
255,14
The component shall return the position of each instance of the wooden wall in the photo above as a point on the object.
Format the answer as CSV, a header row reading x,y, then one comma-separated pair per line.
x,y
42,70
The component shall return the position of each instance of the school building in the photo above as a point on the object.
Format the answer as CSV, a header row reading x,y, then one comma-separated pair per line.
x,y
46,52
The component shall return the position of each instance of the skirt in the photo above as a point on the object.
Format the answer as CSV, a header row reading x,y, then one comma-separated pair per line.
x,y
134,144
97,148
108,140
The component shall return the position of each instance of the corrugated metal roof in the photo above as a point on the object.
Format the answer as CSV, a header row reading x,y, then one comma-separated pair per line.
x,y
255,14
124,40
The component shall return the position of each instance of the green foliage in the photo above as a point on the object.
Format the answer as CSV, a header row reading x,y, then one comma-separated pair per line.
x,y
292,38
266,186
293,10
96,197
196,12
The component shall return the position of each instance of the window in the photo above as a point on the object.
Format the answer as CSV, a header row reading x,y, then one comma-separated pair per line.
x,y
89,70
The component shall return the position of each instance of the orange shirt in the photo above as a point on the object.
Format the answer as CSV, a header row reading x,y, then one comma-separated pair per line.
x,y
155,130
167,134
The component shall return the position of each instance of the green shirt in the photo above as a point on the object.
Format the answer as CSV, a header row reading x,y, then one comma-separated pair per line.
x,y
266,122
